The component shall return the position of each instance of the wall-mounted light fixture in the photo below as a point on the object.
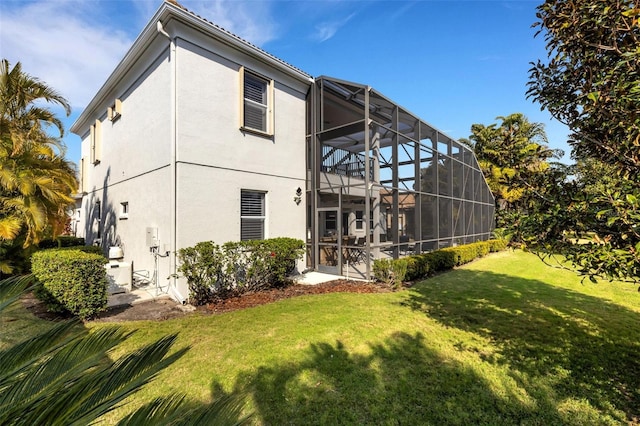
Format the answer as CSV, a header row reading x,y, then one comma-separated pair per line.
x,y
298,198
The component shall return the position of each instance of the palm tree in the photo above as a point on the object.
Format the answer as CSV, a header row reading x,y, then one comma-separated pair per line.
x,y
23,121
36,182
511,155
517,164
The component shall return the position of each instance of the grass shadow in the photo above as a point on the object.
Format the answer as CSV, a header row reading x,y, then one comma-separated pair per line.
x,y
557,343
529,353
398,381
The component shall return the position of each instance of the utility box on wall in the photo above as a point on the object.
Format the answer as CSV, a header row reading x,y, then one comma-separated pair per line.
x,y
119,277
152,237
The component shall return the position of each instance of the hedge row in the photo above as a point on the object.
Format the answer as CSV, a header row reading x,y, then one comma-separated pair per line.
x,y
72,280
219,271
426,264
61,241
84,249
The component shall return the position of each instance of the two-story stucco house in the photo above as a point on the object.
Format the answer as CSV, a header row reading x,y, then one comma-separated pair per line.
x,y
199,135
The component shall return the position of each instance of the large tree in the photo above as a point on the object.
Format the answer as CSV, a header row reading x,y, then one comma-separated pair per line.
x,y
36,181
515,159
591,82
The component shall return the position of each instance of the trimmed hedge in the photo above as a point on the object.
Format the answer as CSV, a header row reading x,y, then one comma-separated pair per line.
x,y
427,264
61,241
84,249
217,272
72,279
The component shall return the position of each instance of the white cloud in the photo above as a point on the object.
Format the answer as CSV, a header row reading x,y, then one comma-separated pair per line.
x,y
401,10
250,20
56,43
327,29
73,45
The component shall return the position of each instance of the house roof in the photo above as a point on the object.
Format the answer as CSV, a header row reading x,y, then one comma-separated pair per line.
x,y
171,9
239,39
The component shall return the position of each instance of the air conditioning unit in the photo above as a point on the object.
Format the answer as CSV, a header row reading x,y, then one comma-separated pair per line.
x,y
119,277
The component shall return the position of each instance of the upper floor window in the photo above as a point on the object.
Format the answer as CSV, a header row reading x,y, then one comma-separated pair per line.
x,y
124,210
114,111
257,100
95,136
83,177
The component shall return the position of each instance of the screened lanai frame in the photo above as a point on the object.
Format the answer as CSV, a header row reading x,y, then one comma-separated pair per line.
x,y
385,182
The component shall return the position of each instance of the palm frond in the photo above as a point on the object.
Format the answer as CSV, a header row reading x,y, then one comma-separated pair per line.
x,y
10,226
172,411
161,411
12,288
18,359
127,375
64,376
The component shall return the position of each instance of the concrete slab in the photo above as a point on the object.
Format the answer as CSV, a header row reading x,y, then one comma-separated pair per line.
x,y
314,277
138,295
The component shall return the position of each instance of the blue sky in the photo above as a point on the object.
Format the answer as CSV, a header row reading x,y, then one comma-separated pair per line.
x,y
453,63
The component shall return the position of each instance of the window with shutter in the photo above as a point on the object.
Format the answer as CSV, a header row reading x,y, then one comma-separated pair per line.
x,y
252,215
95,136
256,98
359,219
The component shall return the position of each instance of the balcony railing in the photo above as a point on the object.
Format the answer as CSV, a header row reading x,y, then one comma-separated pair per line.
x,y
345,163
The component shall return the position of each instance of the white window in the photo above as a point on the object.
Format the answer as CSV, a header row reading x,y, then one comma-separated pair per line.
x,y
115,111
124,210
252,215
359,219
95,136
97,226
83,176
257,103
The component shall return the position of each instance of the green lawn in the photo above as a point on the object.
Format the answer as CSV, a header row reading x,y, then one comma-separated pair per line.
x,y
504,340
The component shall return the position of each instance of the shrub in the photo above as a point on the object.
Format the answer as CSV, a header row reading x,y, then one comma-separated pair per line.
x,y
426,264
497,245
285,253
417,267
74,280
85,249
391,272
216,272
440,260
249,266
61,241
202,265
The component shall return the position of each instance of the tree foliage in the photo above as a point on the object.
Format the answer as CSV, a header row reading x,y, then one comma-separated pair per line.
x,y
591,82
515,159
36,181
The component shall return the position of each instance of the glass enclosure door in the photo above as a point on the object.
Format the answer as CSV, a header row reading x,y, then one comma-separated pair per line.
x,y
329,227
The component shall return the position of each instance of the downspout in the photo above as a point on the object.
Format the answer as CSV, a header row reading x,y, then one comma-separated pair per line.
x,y
173,201
367,180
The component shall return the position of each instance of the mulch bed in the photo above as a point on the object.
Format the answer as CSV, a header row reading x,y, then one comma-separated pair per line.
x,y
268,296
165,309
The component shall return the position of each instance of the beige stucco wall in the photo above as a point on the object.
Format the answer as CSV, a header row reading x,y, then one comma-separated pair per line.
x,y
215,160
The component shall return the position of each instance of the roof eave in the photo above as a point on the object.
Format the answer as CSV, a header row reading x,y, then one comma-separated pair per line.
x,y
166,11
144,38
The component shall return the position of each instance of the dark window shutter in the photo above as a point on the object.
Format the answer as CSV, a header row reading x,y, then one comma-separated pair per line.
x,y
251,215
